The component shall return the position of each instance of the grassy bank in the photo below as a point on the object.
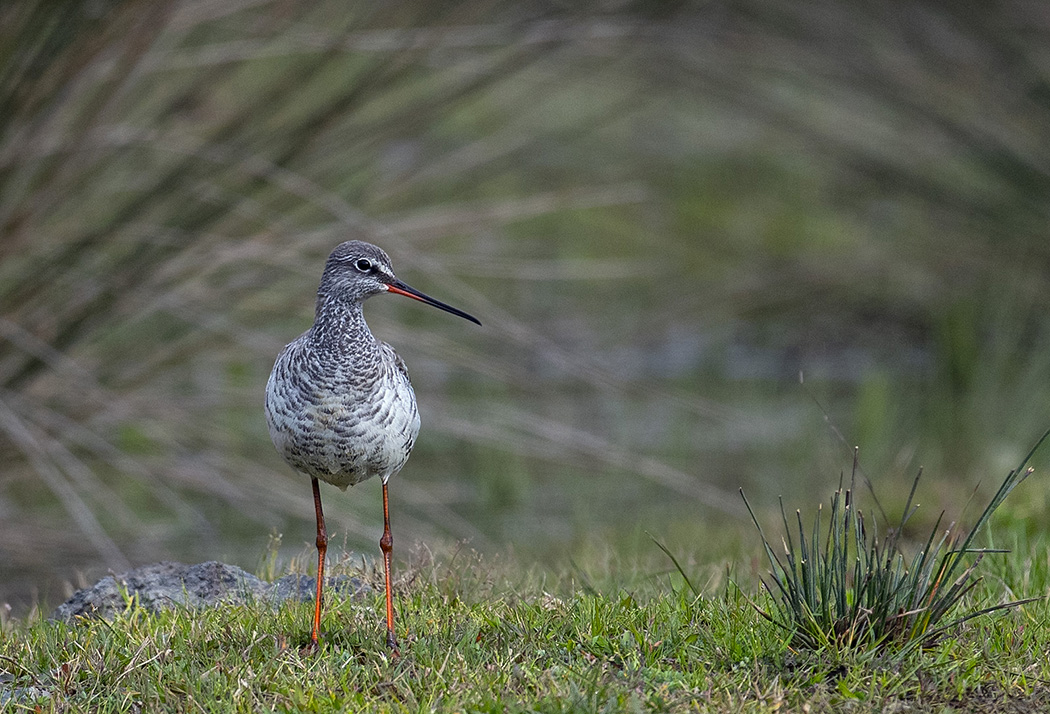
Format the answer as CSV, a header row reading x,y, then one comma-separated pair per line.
x,y
480,635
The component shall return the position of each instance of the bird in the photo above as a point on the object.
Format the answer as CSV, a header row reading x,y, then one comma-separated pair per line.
x,y
339,404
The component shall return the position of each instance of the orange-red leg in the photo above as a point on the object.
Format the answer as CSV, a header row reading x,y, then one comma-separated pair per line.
x,y
322,549
386,544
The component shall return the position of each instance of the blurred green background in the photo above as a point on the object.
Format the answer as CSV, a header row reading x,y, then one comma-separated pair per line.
x,y
663,213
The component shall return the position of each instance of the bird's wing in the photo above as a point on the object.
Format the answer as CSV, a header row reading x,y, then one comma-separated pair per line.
x,y
398,362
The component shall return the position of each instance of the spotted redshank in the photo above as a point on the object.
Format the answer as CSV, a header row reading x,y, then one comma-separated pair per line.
x,y
338,402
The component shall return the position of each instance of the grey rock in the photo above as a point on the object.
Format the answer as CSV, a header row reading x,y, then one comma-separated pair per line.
x,y
303,588
10,694
167,584
22,695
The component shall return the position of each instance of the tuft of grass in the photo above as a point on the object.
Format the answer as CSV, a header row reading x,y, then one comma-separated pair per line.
x,y
845,588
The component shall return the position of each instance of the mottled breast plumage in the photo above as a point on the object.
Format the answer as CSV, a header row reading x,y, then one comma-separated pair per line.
x,y
339,404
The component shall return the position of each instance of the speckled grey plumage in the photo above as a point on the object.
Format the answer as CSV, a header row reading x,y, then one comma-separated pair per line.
x,y
338,402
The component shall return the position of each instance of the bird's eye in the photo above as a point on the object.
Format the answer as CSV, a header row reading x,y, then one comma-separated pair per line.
x,y
363,264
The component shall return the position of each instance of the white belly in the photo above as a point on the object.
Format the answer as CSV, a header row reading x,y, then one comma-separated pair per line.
x,y
341,434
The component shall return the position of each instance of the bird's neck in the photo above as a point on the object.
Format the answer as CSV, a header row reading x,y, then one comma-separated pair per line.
x,y
340,325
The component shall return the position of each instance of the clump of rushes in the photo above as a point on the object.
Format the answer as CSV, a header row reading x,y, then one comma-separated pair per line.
x,y
854,590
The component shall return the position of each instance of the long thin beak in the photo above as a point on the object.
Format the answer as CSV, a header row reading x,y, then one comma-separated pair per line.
x,y
408,291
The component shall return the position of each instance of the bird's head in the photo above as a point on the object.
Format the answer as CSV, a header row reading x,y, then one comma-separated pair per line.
x,y
355,271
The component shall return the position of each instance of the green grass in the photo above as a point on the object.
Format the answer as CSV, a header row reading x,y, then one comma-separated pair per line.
x,y
847,587
484,636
